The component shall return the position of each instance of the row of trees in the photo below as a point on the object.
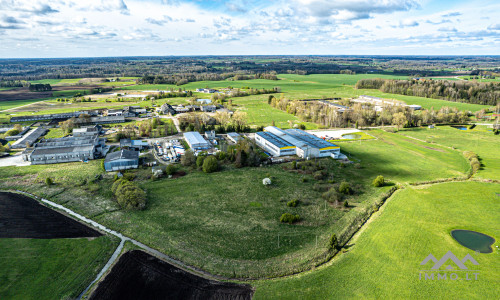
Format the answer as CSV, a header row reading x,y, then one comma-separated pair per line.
x,y
39,87
244,154
222,121
486,93
365,115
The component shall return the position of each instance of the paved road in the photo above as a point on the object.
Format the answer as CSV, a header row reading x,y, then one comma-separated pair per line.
x,y
13,160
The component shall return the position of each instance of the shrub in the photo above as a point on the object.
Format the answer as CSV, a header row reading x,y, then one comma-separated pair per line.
x,y
379,181
129,196
117,183
294,164
292,203
12,132
346,204
289,218
304,179
199,161
266,181
333,242
188,159
170,169
210,164
48,181
332,196
319,175
345,188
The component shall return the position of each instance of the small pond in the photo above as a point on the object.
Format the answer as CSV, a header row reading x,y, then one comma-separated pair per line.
x,y
473,240
460,127
351,136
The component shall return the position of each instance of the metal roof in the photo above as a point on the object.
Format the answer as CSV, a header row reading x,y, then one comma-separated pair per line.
x,y
274,139
122,154
62,150
195,138
310,139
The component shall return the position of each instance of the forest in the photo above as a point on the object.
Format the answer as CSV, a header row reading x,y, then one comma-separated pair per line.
x,y
183,69
486,93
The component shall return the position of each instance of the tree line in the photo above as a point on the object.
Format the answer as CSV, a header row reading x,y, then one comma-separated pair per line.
x,y
363,115
486,93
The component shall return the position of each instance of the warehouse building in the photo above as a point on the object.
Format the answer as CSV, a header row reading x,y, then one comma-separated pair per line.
x,y
67,149
133,144
280,142
29,138
121,160
196,141
234,137
87,131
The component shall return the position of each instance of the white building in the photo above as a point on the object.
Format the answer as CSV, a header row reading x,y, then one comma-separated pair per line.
x,y
196,141
280,142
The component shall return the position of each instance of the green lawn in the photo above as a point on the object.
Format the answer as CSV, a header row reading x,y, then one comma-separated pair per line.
x,y
479,140
51,268
383,262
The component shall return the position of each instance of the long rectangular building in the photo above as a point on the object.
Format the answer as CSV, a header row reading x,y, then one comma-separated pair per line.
x,y
67,149
196,141
280,142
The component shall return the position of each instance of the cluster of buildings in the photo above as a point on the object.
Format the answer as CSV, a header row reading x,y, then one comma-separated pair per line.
x,y
279,142
178,109
206,91
82,117
380,103
86,145
127,111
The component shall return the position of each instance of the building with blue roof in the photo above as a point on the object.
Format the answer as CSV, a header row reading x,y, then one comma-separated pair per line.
x,y
196,141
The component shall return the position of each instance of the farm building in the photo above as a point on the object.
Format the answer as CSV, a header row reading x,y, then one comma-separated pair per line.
x,y
87,131
67,149
29,138
19,135
133,144
60,116
121,160
234,137
196,141
280,142
208,108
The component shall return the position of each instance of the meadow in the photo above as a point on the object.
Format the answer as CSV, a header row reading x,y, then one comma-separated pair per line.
x,y
240,215
479,140
383,259
51,268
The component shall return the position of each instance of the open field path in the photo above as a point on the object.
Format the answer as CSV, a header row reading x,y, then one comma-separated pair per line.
x,y
123,239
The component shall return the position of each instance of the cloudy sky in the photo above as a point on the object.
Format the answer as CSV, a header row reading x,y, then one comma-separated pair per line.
x,y
75,28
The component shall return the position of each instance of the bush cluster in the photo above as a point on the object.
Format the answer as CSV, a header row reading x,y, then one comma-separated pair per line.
x,y
379,181
292,203
473,160
128,195
333,196
289,218
210,164
345,188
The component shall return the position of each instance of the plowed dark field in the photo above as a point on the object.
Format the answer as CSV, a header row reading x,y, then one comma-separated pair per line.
x,y
138,275
23,217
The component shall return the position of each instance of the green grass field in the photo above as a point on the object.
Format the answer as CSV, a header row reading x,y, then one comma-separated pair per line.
x,y
384,259
51,268
479,140
16,103
238,213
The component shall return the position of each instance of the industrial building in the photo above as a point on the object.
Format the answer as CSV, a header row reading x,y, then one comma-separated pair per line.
x,y
61,116
29,138
234,137
280,142
87,131
196,141
67,149
137,145
121,160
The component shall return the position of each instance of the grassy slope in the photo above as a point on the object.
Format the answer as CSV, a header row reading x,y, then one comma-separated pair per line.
x,y
479,140
50,269
384,260
236,210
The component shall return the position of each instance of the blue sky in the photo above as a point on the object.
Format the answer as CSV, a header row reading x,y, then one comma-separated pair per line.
x,y
70,28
